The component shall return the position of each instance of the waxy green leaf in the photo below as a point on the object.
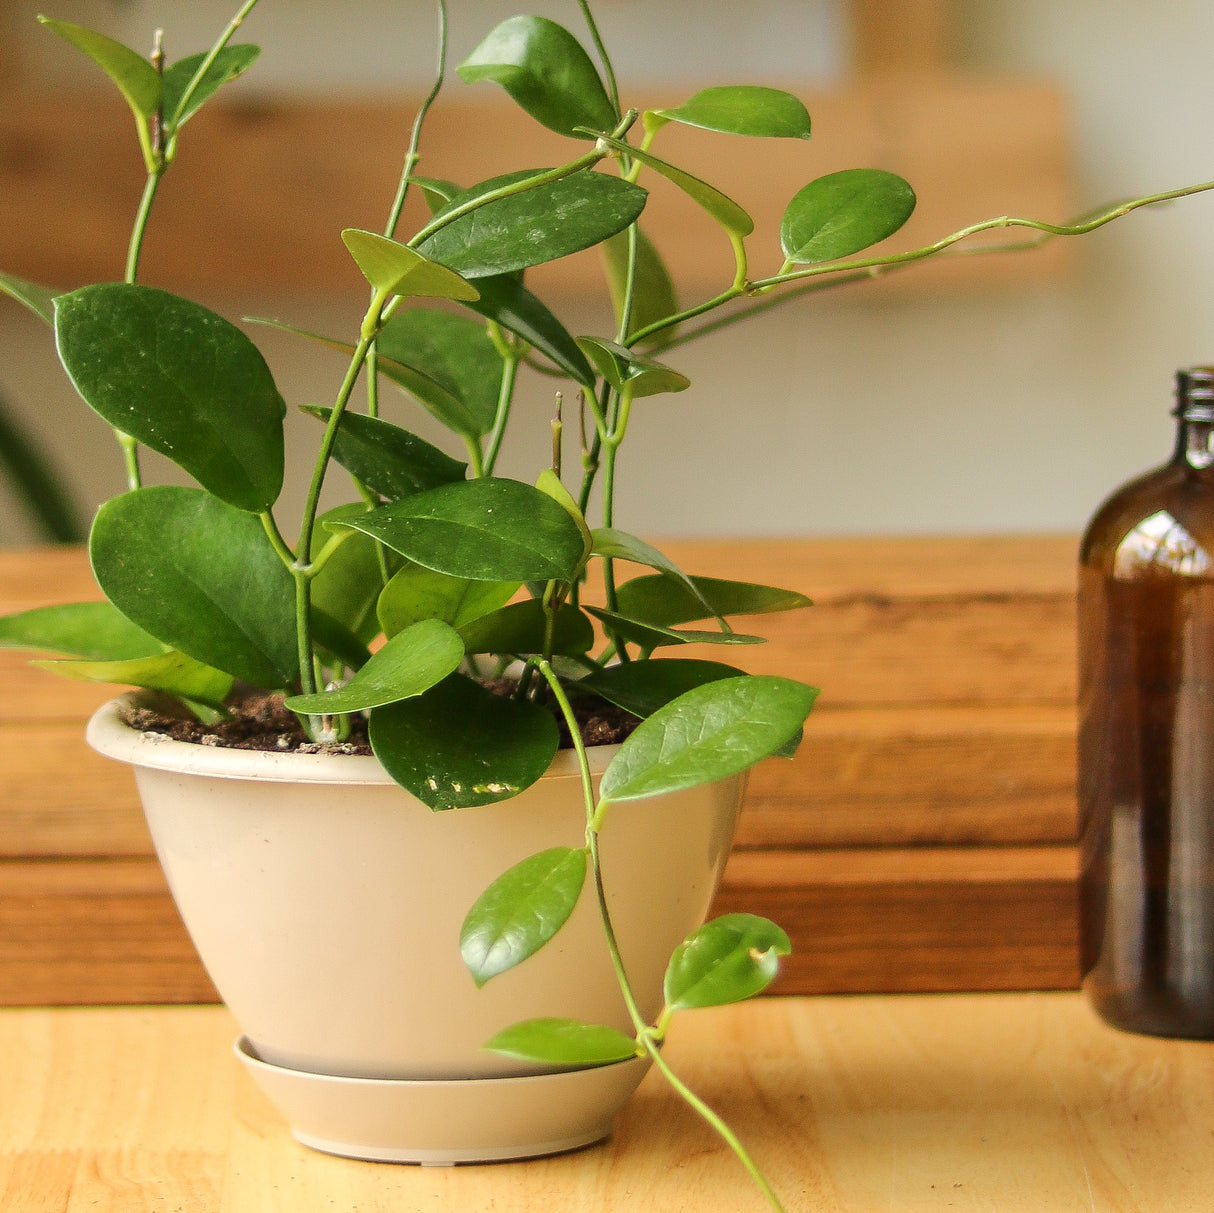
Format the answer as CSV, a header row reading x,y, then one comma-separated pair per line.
x,y
717,730
172,673
521,911
654,296
486,530
232,61
843,213
738,109
460,745
136,78
39,299
181,380
653,636
415,593
200,576
565,1042
520,629
613,544
727,960
411,662
655,600
540,224
95,631
626,370
641,687
396,269
547,72
390,460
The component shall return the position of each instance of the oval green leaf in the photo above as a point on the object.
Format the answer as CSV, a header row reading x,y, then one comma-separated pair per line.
x,y
843,213
541,224
95,631
739,109
396,269
641,687
727,960
136,78
710,733
232,61
655,600
172,673
564,1042
521,911
460,745
410,663
492,529
39,299
519,629
200,576
547,72
181,380
415,593
625,369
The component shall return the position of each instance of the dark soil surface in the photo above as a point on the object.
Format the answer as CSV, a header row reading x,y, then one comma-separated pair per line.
x,y
260,722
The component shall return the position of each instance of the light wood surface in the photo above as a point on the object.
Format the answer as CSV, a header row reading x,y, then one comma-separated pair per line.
x,y
1019,1103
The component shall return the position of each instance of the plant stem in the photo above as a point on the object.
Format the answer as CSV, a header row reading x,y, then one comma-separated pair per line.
x,y
613,91
505,398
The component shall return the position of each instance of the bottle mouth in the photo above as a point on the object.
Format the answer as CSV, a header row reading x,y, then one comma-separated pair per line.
x,y
1195,394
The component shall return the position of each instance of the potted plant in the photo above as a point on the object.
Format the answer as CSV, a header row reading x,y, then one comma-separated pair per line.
x,y
414,656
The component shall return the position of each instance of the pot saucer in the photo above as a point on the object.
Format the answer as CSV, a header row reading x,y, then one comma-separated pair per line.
x,y
442,1122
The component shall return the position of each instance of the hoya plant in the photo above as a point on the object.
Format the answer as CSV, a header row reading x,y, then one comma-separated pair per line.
x,y
403,609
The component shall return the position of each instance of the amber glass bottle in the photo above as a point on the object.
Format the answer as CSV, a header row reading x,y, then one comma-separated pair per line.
x,y
1146,737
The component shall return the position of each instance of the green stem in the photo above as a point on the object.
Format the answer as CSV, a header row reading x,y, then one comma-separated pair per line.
x,y
279,544
135,247
612,89
505,398
690,313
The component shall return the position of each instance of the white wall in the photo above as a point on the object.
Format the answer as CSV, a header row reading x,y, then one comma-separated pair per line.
x,y
1008,412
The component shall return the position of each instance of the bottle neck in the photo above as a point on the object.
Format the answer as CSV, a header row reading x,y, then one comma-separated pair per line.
x,y
1194,442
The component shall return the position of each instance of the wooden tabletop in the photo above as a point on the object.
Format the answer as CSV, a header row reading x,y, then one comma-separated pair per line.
x,y
1002,1102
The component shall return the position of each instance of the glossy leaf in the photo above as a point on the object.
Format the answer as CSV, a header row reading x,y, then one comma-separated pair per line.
x,y
739,109
537,225
843,213
232,61
390,460
347,588
411,662
39,299
507,301
566,1042
721,207
95,631
549,483
657,600
641,687
460,745
654,296
727,960
396,269
485,530
626,369
136,78
201,577
521,911
181,380
547,72
654,636
453,352
717,730
611,543
172,673
415,593
519,629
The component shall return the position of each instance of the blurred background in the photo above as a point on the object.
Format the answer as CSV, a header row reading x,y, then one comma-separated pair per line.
x,y
994,394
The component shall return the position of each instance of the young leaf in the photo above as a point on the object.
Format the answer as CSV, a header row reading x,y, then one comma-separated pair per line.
x,y
415,593
521,910
173,673
729,959
654,296
520,629
622,367
566,1042
505,299
549,483
715,731
200,576
436,191
95,631
657,601
541,224
411,662
136,78
485,530
39,299
739,109
843,213
390,460
652,636
641,687
181,380
460,745
547,72
232,61
722,208
396,269
610,543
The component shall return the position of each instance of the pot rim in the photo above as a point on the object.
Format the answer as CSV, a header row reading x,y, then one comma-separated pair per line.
x,y
109,734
